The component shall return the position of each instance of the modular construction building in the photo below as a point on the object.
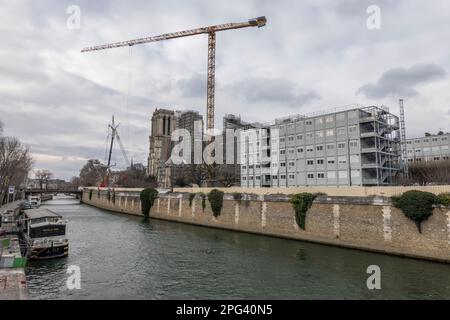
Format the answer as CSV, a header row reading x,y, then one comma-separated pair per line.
x,y
355,145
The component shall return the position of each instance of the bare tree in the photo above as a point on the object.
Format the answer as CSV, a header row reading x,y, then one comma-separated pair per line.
x,y
430,172
92,173
43,176
15,164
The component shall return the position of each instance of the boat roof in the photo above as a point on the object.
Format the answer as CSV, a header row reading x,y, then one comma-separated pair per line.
x,y
40,213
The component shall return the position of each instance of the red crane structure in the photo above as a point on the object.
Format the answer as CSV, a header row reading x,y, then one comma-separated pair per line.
x,y
211,31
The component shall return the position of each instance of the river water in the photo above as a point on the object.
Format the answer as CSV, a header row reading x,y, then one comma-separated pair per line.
x,y
125,257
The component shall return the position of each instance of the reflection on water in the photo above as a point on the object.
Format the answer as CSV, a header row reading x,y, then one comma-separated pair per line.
x,y
126,257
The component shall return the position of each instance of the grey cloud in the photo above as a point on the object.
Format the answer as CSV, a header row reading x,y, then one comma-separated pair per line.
x,y
193,86
272,91
401,82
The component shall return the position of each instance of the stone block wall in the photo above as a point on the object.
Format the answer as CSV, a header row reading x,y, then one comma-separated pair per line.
x,y
367,223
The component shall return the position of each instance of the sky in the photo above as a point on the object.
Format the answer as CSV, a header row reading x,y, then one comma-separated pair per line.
x,y
312,55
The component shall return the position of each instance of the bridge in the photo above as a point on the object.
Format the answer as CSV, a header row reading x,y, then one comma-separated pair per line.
x,y
75,192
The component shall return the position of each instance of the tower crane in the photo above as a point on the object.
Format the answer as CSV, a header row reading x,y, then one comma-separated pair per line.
x,y
211,31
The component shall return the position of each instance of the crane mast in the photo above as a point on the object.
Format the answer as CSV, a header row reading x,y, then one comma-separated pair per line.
x,y
211,31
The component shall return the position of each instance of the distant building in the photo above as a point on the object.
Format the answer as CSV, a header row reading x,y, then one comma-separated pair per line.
x,y
428,148
355,146
162,126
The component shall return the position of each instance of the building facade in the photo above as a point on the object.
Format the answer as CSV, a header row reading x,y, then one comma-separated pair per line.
x,y
356,146
162,125
428,148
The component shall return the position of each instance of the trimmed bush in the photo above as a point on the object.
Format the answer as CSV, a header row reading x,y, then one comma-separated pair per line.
x,y
148,197
301,203
191,198
444,199
416,205
215,198
90,194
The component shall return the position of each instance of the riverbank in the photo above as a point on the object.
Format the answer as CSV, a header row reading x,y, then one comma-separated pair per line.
x,y
13,284
365,223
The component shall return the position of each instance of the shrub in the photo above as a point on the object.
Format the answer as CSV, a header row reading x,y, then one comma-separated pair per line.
x,y
301,203
191,197
416,205
215,198
90,194
147,197
444,199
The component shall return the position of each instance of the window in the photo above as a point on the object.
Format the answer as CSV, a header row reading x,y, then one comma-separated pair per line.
x,y
321,176
291,126
352,129
354,158
283,177
342,159
343,175
275,177
310,162
409,142
308,122
426,140
445,158
330,132
340,131
410,151
319,148
251,178
291,138
356,174
283,151
244,178
417,150
319,121
434,139
340,117
258,178
310,175
309,149
291,150
291,164
300,150
282,139
300,137
292,176
320,161
341,145
244,167
436,158
444,139
331,161
354,144
330,146
329,119
418,141
281,127
319,134
331,174
282,164
309,136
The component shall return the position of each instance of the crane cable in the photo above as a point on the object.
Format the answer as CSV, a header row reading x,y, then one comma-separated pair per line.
x,y
130,78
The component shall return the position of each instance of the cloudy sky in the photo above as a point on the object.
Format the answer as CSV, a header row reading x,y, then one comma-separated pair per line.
x,y
311,56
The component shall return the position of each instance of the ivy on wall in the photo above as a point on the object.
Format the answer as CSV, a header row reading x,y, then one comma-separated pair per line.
x,y
148,197
215,198
301,203
416,205
191,198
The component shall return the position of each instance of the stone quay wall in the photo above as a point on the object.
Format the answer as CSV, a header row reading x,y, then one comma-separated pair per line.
x,y
368,223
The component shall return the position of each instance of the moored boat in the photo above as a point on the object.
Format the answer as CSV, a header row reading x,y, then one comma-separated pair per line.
x,y
44,232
